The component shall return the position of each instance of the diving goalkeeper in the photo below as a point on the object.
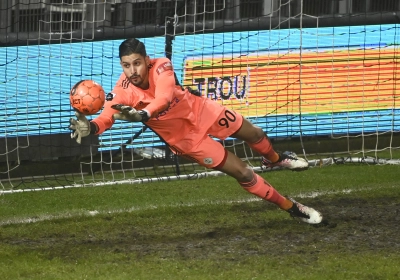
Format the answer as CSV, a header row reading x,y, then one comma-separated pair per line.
x,y
146,92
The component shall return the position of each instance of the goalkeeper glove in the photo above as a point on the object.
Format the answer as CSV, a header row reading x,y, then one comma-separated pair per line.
x,y
81,127
127,113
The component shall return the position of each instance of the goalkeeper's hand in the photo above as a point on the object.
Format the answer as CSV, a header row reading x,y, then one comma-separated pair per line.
x,y
81,127
127,113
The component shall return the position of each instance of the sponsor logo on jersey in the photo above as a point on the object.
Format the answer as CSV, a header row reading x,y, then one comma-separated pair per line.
x,y
110,96
173,103
164,67
208,161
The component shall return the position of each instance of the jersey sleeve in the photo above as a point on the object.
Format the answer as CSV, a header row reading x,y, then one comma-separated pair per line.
x,y
164,81
105,120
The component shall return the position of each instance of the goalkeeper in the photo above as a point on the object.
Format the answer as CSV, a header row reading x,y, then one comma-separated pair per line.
x,y
146,92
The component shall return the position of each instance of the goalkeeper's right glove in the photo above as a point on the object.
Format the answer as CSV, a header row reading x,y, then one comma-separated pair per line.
x,y
81,127
127,113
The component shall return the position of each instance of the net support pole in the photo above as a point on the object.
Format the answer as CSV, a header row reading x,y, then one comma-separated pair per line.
x,y
169,37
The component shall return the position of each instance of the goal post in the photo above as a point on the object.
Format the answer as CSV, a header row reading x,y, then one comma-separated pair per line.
x,y
319,79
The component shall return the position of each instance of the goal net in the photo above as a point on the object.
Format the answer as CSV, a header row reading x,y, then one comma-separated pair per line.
x,y
320,78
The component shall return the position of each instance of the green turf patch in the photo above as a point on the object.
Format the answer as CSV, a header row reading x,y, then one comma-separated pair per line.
x,y
207,229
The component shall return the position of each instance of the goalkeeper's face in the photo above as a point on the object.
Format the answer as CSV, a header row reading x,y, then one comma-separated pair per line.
x,y
136,68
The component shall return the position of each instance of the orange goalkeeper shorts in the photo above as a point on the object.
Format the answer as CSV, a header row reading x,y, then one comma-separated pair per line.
x,y
202,148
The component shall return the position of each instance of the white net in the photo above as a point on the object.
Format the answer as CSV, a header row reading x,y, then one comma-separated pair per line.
x,y
327,93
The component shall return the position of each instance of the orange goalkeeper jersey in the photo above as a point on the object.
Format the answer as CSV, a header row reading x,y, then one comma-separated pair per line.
x,y
186,113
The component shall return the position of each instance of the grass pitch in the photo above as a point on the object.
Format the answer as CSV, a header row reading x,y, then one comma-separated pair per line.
x,y
207,229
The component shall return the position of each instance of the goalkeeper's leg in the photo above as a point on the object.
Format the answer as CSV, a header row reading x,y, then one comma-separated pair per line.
x,y
229,123
255,184
259,142
251,181
212,154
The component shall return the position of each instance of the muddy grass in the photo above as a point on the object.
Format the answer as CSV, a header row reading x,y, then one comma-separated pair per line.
x,y
352,226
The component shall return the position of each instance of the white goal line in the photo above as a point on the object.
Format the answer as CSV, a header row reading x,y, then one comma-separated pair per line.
x,y
88,213
312,163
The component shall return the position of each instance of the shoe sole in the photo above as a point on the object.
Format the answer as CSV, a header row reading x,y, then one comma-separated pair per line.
x,y
315,219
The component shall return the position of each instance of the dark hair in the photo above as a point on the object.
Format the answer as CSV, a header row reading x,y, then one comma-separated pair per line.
x,y
130,46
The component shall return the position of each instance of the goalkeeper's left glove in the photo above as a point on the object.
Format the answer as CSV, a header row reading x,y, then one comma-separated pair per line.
x,y
81,127
127,113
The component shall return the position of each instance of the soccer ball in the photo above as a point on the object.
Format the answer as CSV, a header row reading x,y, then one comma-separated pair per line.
x,y
87,97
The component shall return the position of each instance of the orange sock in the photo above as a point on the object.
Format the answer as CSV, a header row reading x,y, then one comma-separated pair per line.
x,y
264,148
261,188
